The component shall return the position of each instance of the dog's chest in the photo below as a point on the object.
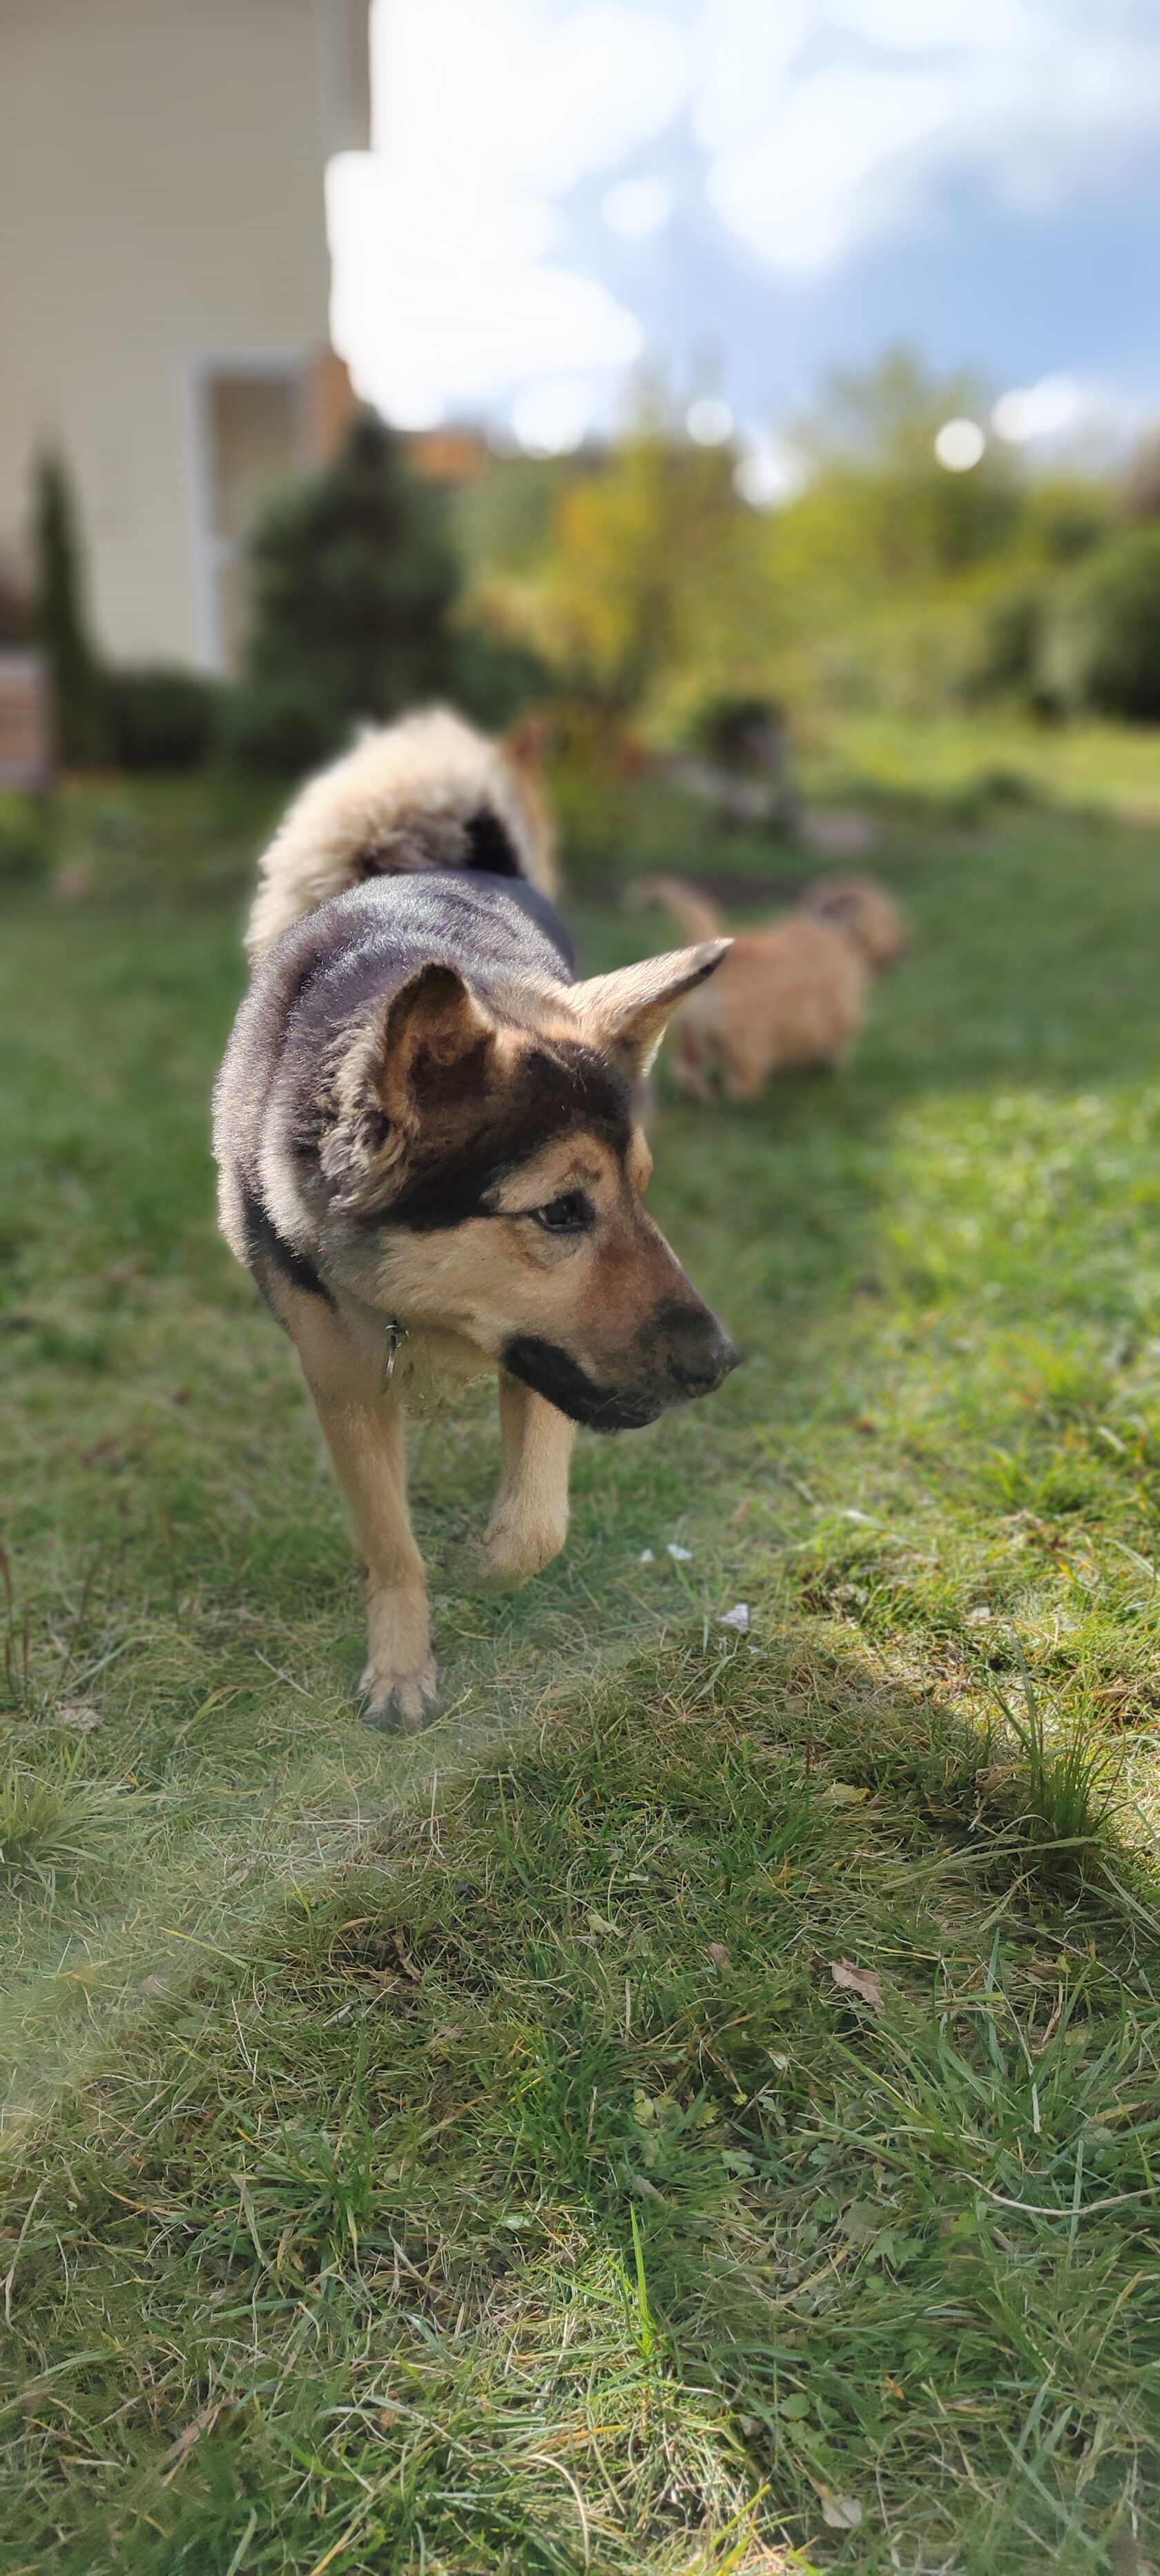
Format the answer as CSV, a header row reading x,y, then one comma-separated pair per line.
x,y
433,1361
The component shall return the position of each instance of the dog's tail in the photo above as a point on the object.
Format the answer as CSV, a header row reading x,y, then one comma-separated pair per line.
x,y
699,919
427,793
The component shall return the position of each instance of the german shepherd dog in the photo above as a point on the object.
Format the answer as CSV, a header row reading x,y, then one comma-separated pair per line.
x,y
430,1160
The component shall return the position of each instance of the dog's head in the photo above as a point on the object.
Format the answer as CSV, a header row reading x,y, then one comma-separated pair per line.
x,y
866,913
485,1174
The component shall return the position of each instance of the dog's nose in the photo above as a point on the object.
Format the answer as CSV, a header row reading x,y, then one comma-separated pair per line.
x,y
700,1356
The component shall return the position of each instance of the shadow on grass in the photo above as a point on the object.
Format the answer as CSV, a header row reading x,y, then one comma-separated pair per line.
x,y
550,2141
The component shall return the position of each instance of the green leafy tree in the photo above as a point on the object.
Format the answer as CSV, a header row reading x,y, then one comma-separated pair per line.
x,y
59,618
354,580
878,506
649,574
1103,647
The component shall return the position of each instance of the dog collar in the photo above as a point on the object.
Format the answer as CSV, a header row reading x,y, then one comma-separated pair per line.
x,y
396,1336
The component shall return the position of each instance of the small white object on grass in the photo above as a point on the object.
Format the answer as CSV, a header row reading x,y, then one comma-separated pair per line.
x,y
680,1555
839,2512
737,1617
646,1557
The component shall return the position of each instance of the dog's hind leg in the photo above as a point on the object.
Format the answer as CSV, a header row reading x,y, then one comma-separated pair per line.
x,y
365,1434
529,1517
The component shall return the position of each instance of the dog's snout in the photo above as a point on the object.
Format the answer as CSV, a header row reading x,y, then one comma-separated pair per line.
x,y
698,1355
702,1372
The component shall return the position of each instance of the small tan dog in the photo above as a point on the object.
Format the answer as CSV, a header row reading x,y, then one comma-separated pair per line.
x,y
786,997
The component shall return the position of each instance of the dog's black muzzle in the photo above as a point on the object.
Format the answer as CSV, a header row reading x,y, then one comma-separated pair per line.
x,y
687,1355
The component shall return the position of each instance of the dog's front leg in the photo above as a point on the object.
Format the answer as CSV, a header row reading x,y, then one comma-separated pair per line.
x,y
529,1517
366,1436
368,1446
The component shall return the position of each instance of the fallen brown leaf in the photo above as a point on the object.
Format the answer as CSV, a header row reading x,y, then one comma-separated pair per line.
x,y
863,1982
720,1957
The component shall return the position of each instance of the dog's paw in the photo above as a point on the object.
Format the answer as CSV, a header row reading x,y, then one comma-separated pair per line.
x,y
400,1703
509,1553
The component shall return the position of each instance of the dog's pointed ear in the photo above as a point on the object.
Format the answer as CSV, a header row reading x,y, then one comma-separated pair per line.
x,y
436,1040
410,1070
626,1014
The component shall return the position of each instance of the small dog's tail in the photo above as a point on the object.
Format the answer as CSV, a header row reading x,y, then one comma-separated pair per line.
x,y
427,793
699,919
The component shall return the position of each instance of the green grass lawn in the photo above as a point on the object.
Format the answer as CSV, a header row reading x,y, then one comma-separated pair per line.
x,y
1102,768
458,2154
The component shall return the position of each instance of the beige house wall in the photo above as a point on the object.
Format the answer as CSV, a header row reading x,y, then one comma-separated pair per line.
x,y
161,214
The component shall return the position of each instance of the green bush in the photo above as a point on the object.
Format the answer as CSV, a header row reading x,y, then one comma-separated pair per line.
x,y
160,718
1103,649
494,681
283,726
354,580
24,837
1006,657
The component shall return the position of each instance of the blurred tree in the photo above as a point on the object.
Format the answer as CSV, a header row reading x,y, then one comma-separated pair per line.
x,y
1103,646
59,620
657,595
650,572
1142,481
161,718
355,577
16,621
877,500
1064,516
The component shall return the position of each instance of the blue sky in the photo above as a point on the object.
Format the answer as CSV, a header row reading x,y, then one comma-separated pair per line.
x,y
749,192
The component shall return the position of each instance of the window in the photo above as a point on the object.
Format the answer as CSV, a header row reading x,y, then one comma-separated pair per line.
x,y
250,438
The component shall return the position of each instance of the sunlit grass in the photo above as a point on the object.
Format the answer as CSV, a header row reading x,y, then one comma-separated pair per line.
x,y
1109,768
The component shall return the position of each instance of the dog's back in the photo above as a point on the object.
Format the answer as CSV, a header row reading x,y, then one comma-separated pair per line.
x,y
427,794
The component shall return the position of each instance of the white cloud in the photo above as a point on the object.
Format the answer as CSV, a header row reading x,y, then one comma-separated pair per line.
x,y
917,26
1036,411
554,416
796,192
438,318
636,207
820,139
746,49
445,294
823,125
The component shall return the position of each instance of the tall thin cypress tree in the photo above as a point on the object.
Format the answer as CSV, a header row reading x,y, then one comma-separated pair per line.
x,y
59,617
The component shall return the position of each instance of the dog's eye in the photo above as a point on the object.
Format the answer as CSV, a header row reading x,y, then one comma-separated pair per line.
x,y
570,1214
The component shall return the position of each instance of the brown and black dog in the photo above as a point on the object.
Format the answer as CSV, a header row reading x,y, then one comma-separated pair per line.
x,y
429,1156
